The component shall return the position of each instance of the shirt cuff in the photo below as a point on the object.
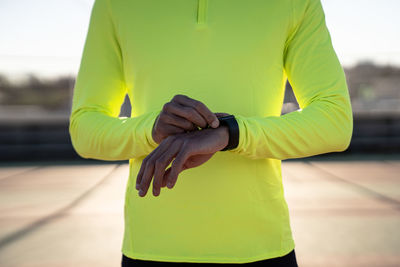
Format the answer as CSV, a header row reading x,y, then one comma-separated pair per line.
x,y
148,133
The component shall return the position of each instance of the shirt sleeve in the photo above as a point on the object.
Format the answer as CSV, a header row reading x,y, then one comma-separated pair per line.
x,y
95,129
324,122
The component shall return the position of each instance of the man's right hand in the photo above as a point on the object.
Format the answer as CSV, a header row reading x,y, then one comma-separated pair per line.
x,y
180,115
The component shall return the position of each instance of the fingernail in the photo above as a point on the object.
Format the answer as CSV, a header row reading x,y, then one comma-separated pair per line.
x,y
140,192
169,185
215,123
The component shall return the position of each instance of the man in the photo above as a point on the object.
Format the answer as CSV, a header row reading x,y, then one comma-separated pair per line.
x,y
185,64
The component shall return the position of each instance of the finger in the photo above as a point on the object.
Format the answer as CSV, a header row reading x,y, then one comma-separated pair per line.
x,y
165,176
201,108
177,167
142,168
188,113
149,166
179,122
168,129
161,163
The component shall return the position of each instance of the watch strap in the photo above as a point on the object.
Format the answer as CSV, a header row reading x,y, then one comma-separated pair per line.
x,y
233,129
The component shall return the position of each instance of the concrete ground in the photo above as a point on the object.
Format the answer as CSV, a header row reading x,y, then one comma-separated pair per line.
x,y
343,213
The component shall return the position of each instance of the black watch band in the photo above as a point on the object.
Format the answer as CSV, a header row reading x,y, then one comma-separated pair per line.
x,y
233,129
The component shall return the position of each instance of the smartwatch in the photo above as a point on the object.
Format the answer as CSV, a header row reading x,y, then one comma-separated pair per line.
x,y
233,129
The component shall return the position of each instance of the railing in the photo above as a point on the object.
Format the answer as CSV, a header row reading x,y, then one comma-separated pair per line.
x,y
48,138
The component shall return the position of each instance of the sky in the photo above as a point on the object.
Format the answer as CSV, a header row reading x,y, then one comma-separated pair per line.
x,y
46,37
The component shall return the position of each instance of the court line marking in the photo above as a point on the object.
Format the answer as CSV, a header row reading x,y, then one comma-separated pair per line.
x,y
13,237
361,188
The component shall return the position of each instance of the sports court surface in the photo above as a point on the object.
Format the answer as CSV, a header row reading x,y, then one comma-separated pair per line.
x,y
344,212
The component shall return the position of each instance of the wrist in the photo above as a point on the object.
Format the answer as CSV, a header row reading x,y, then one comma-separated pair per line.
x,y
154,135
223,132
155,138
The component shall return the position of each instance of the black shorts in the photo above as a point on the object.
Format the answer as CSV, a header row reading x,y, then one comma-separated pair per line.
x,y
288,260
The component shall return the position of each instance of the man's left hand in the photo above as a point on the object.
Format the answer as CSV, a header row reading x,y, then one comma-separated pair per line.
x,y
189,149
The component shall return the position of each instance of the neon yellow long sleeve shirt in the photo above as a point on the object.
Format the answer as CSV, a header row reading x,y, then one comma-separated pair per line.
x,y
235,57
